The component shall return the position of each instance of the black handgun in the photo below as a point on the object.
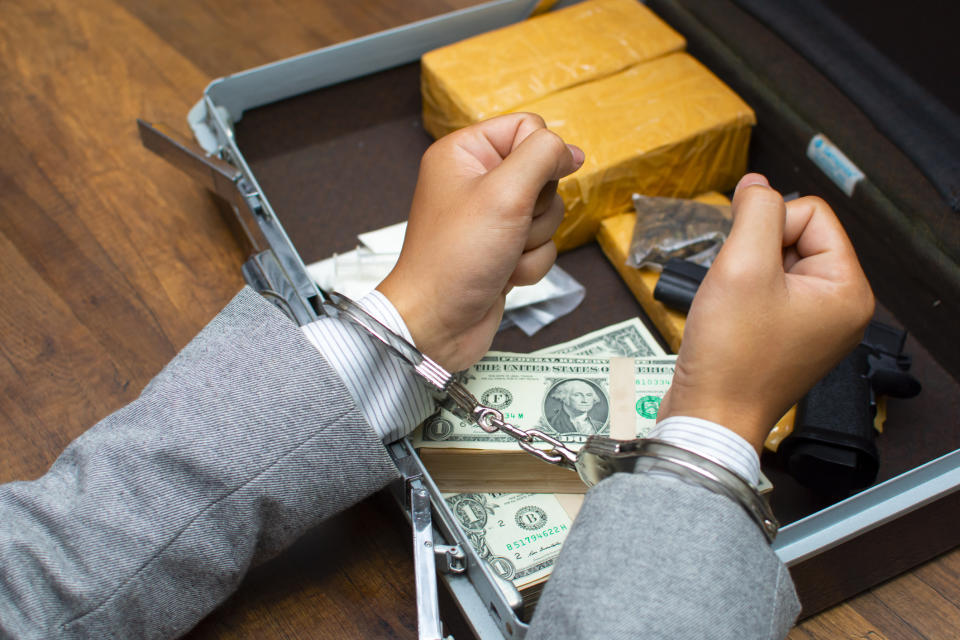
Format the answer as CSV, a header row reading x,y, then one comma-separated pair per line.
x,y
678,283
832,448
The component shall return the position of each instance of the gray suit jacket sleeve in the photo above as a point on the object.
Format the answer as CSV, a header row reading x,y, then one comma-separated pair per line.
x,y
654,557
151,518
247,438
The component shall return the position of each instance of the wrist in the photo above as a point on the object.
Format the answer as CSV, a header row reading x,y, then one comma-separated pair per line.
x,y
746,420
424,329
453,332
391,399
713,441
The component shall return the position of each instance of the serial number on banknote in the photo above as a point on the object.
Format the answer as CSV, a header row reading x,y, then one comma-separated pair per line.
x,y
540,535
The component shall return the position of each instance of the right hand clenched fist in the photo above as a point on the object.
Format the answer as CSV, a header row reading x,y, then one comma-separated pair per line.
x,y
784,301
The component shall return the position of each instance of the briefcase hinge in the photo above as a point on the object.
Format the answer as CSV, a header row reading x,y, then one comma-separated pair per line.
x,y
450,558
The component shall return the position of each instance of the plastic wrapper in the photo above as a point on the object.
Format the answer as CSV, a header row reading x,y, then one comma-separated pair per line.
x,y
614,238
676,228
356,273
503,70
667,127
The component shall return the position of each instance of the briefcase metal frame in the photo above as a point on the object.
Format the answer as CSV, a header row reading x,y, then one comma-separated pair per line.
x,y
490,605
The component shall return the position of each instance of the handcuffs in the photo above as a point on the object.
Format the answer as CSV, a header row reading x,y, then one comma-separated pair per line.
x,y
598,458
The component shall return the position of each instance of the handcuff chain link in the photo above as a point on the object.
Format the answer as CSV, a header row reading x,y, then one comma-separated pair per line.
x,y
491,420
487,418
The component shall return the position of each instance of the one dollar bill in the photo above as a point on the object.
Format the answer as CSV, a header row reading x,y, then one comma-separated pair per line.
x,y
629,338
568,398
518,535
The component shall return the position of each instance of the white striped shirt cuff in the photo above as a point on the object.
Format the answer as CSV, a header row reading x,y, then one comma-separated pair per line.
x,y
386,391
712,441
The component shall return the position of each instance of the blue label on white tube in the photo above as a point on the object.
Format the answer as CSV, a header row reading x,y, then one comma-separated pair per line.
x,y
832,162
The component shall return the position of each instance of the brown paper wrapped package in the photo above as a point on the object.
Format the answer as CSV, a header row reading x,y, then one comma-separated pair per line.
x,y
667,127
502,70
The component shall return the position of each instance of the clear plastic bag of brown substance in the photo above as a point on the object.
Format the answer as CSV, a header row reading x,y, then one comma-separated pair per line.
x,y
676,228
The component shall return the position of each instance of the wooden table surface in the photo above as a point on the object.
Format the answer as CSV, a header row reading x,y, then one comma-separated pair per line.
x,y
112,261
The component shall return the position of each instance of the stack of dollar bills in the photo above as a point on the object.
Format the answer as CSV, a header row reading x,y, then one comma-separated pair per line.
x,y
518,535
513,507
564,391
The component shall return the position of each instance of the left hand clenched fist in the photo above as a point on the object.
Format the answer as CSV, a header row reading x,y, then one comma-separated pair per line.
x,y
483,214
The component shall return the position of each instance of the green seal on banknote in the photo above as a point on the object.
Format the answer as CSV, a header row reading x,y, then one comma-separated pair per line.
x,y
648,406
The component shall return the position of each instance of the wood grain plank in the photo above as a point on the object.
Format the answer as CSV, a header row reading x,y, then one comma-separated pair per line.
x,y
799,633
108,268
943,575
928,611
889,622
97,185
842,621
44,349
224,37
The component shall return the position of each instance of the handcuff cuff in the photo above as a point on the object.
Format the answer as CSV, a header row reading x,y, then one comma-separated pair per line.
x,y
598,458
